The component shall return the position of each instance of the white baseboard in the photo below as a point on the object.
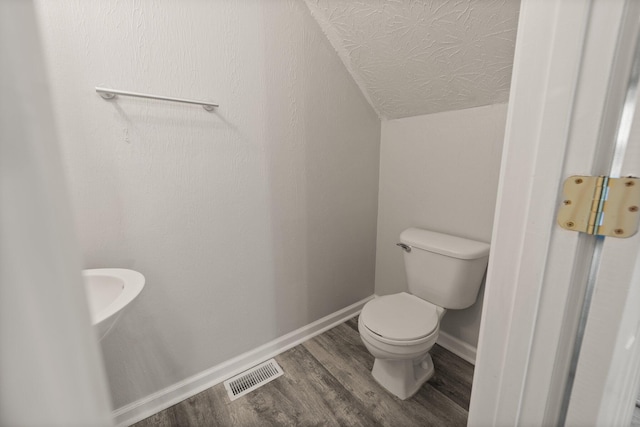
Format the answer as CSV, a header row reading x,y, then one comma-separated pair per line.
x,y
457,347
147,406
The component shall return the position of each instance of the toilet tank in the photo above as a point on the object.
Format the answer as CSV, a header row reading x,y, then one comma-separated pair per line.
x,y
443,269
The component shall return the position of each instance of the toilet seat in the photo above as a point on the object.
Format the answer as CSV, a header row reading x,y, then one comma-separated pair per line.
x,y
401,319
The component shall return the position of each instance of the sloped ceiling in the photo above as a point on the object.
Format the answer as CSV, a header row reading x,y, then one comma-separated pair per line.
x,y
423,56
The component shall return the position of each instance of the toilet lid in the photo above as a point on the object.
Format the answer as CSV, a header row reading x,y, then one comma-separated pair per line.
x,y
400,317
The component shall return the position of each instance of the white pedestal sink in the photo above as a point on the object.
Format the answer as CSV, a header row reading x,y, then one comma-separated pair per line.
x,y
109,291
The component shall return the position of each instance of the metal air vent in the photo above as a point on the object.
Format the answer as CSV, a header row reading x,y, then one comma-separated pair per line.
x,y
253,378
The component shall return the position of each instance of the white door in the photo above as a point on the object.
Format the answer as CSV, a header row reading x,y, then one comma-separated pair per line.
x,y
51,372
558,340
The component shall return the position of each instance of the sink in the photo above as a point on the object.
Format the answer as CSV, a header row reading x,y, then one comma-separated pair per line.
x,y
109,292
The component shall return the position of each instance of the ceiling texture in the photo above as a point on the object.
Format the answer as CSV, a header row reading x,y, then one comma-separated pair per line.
x,y
423,56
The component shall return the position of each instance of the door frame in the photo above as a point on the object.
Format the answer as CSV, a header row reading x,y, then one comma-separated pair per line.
x,y
559,115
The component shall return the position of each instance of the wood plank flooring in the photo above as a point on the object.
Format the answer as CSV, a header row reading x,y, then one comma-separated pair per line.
x,y
328,382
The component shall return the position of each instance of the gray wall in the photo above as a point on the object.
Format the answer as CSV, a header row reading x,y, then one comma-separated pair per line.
x,y
249,222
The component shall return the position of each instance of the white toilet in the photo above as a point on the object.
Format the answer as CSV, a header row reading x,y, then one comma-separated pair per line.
x,y
443,272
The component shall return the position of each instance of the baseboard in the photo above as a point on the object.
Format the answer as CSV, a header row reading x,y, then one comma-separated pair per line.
x,y
457,347
195,384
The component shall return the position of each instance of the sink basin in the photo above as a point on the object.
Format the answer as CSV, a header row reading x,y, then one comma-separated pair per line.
x,y
109,291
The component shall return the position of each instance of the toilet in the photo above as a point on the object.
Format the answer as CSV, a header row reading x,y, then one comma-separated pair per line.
x,y
443,272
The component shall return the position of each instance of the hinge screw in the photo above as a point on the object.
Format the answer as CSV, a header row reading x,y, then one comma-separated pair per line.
x,y
569,224
579,181
567,202
633,209
628,184
618,231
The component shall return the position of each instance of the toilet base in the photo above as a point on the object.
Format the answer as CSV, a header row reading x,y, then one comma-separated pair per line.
x,y
403,378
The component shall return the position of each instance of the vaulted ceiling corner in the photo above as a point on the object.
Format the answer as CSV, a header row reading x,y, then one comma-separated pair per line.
x,y
414,57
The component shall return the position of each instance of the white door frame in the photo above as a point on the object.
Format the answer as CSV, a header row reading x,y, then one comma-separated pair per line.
x,y
558,114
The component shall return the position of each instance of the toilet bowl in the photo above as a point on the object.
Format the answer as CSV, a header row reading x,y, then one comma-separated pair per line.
x,y
399,330
443,272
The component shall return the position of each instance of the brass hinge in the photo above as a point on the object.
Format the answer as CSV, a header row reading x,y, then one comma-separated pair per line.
x,y
601,205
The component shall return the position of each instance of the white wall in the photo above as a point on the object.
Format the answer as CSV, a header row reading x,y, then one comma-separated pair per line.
x,y
249,222
438,172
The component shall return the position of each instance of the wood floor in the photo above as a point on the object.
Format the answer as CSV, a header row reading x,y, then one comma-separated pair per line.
x,y
327,382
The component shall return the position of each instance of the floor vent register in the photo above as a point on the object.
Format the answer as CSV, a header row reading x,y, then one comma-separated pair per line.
x,y
253,378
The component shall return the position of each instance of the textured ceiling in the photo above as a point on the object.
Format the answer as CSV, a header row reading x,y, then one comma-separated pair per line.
x,y
420,57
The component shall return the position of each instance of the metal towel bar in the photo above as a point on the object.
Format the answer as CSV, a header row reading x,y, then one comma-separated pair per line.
x,y
111,93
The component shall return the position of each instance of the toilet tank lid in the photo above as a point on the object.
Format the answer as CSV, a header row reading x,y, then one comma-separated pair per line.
x,y
444,244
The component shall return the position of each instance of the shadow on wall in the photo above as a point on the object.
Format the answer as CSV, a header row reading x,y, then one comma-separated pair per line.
x,y
322,159
464,324
140,338
148,224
